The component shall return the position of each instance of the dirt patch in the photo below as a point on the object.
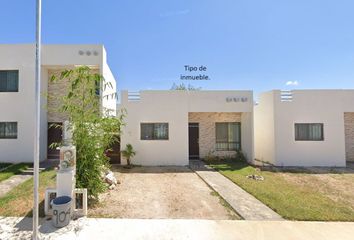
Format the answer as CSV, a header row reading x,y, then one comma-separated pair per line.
x,y
161,192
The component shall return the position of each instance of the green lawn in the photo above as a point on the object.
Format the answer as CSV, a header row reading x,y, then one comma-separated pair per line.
x,y
12,170
297,196
19,201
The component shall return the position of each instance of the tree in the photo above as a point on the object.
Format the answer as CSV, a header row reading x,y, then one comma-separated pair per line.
x,y
128,153
182,86
94,130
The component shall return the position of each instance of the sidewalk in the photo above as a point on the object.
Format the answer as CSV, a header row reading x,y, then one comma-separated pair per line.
x,y
12,182
8,184
154,229
247,206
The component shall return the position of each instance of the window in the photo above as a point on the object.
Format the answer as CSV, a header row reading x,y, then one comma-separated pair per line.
x,y
309,132
228,136
9,81
8,129
154,131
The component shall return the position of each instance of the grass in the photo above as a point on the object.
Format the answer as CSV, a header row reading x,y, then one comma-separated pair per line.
x,y
294,195
19,201
12,170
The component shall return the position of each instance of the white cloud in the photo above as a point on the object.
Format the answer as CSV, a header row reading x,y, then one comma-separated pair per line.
x,y
292,83
175,13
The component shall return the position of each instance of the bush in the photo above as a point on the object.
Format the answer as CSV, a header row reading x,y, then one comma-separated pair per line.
x,y
94,130
211,157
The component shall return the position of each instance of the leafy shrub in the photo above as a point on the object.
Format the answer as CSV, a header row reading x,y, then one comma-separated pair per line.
x,y
94,130
211,157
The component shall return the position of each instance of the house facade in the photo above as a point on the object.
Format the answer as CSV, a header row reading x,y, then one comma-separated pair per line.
x,y
17,96
171,127
305,128
285,128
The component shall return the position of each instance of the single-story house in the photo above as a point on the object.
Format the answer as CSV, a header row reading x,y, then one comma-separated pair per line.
x,y
305,128
171,127
285,128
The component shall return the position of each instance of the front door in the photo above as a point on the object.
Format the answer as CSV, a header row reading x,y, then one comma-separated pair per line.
x,y
114,153
54,136
193,140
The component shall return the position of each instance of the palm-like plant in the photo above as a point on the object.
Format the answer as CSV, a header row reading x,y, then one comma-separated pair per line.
x,y
128,153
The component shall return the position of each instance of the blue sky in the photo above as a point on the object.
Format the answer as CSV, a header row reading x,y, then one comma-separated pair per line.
x,y
245,44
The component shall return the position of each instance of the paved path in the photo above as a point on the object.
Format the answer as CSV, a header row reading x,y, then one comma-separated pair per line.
x,y
10,183
244,203
175,229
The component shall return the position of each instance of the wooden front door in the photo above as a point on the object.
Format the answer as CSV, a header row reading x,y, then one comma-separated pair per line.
x,y
193,133
54,136
114,153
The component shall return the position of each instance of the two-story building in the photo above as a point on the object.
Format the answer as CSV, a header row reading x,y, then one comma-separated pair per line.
x,y
17,94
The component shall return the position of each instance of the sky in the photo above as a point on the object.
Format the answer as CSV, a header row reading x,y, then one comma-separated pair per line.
x,y
244,44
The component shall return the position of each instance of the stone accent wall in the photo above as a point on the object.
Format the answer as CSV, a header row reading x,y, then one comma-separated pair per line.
x,y
207,122
56,91
349,136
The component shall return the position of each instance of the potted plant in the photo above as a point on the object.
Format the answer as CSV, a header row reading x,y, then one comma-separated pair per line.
x,y
128,153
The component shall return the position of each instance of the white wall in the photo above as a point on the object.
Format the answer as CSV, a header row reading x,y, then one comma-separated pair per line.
x,y
152,108
264,136
108,101
173,107
18,106
247,134
308,106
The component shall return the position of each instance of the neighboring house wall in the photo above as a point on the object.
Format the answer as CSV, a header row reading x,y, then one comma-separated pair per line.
x,y
20,106
207,131
173,107
109,94
307,106
349,135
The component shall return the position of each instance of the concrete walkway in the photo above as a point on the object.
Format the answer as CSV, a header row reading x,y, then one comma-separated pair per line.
x,y
10,183
244,203
173,229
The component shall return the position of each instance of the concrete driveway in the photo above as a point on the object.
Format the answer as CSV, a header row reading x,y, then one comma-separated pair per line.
x,y
161,192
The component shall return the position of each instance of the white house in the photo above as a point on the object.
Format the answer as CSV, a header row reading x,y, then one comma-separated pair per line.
x,y
171,127
17,101
305,128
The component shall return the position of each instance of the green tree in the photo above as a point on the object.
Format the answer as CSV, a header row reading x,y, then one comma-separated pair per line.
x,y
94,129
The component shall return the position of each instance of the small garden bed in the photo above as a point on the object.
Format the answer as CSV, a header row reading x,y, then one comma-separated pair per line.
x,y
296,195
